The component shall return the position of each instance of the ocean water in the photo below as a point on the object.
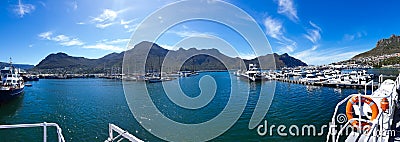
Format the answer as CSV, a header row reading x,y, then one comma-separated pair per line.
x,y
85,107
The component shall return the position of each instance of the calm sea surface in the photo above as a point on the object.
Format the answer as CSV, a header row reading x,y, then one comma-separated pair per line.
x,y
84,107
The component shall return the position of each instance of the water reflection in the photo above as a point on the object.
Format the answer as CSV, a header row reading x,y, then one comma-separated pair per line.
x,y
337,90
311,88
9,109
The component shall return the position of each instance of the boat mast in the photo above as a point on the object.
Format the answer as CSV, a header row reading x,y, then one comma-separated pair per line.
x,y
11,67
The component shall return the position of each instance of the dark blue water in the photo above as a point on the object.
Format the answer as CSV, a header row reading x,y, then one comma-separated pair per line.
x,y
84,107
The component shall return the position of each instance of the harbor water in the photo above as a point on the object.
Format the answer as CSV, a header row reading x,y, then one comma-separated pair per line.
x,y
84,107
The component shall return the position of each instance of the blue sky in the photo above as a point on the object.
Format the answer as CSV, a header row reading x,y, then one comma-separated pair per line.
x,y
317,32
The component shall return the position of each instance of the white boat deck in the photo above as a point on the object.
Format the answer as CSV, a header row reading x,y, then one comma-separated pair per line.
x,y
384,128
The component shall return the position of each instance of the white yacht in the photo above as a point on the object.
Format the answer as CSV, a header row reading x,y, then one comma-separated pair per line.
x,y
298,72
12,84
310,78
253,74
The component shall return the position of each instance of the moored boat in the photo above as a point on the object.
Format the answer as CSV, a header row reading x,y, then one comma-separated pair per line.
x,y
253,74
12,84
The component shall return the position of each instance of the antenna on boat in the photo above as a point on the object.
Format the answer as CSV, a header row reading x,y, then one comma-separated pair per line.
x,y
10,60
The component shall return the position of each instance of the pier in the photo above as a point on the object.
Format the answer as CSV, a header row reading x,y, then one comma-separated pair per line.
x,y
336,85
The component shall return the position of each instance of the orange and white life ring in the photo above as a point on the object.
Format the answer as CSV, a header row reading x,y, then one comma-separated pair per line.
x,y
354,101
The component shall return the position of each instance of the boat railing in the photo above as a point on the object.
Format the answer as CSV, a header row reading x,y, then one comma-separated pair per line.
x,y
356,119
382,77
44,125
332,130
333,120
374,125
122,134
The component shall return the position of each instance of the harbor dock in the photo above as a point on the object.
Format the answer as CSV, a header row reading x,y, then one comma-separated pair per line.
x,y
337,85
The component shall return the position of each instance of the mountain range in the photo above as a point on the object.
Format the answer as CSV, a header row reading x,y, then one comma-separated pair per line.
x,y
171,60
21,66
383,47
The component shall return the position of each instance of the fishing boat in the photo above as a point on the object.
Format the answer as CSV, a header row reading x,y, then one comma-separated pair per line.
x,y
368,117
253,74
12,84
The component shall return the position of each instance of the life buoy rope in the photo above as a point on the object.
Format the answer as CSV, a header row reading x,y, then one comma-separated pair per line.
x,y
354,101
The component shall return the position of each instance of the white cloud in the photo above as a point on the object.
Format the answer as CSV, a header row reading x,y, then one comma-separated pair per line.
x,y
319,57
107,15
123,22
105,25
63,40
287,48
128,25
60,38
274,29
110,45
22,9
131,28
348,37
46,35
103,46
314,34
107,18
287,8
72,42
351,37
192,34
315,47
118,41
315,26
30,45
75,5
81,23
